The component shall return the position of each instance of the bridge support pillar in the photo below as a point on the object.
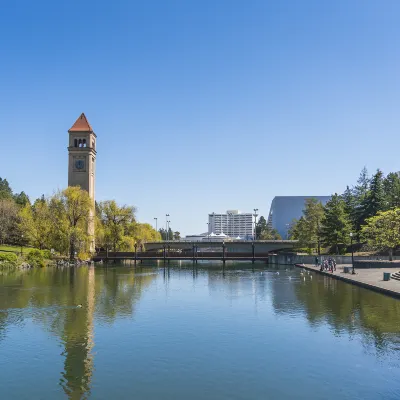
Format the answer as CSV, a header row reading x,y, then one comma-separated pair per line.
x,y
135,253
164,253
223,252
253,250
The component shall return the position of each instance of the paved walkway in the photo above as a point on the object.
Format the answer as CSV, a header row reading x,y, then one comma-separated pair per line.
x,y
371,278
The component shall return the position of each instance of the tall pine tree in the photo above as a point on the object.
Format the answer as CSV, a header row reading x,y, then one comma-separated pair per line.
x,y
374,201
391,185
336,225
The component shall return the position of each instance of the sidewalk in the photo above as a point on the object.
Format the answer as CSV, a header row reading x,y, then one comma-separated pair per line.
x,y
371,278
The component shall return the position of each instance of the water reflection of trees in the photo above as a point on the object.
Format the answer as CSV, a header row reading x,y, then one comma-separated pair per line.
x,y
348,308
50,298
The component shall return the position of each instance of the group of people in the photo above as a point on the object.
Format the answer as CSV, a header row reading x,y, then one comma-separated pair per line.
x,y
327,264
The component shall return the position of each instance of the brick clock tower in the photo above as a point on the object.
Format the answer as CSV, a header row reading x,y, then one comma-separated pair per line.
x,y
82,162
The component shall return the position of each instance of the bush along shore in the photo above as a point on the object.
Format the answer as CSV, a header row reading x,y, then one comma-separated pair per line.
x,y
35,258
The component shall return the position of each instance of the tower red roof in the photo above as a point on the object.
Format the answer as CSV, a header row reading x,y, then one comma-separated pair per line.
x,y
81,125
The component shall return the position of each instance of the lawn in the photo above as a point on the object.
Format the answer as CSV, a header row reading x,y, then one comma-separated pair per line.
x,y
14,249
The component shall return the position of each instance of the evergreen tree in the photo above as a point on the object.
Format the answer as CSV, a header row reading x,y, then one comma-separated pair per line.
x,y
374,201
313,214
391,185
22,199
307,230
336,225
360,193
5,190
261,226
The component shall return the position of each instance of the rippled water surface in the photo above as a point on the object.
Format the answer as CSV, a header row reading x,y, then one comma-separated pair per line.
x,y
149,333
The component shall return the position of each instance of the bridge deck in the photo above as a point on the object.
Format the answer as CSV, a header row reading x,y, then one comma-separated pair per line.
x,y
181,258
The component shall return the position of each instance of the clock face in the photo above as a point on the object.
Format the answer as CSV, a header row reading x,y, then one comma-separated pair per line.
x,y
79,164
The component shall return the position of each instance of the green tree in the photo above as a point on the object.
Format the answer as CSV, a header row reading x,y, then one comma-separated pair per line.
x,y
269,234
391,185
21,199
261,226
382,231
116,221
360,193
177,235
70,212
374,201
5,189
307,230
8,220
336,224
36,224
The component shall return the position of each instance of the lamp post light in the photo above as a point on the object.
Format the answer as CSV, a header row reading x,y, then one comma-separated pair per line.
x,y
166,226
156,223
352,253
255,223
22,243
172,238
208,230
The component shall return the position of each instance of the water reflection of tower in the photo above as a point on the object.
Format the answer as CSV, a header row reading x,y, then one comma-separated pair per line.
x,y
78,337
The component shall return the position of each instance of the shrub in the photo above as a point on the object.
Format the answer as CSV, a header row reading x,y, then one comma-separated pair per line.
x,y
8,260
83,256
35,258
47,254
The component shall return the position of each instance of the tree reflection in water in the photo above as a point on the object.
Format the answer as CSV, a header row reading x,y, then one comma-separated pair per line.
x,y
50,297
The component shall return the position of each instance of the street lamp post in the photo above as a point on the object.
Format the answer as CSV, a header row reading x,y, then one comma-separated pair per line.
x,y
352,253
255,223
172,238
156,223
22,243
166,226
208,230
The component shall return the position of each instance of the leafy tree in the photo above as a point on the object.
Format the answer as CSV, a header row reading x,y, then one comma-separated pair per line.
x,y
261,226
336,224
177,235
36,224
382,231
70,212
116,221
8,220
269,234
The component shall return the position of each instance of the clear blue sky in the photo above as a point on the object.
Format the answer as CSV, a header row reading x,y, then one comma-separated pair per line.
x,y
200,106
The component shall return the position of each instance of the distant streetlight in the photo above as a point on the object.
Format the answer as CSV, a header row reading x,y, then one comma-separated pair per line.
x,y
166,226
172,238
255,223
156,223
22,243
352,253
208,230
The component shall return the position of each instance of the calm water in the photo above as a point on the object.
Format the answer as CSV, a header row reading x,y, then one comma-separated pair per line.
x,y
203,334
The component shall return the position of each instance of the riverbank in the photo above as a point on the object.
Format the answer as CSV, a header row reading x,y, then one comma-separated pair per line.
x,y
368,278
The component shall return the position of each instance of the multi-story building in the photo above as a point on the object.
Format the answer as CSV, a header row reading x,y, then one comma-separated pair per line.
x,y
284,209
233,223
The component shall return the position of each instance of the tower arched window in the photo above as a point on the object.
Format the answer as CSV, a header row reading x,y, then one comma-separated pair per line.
x,y
75,142
80,143
84,143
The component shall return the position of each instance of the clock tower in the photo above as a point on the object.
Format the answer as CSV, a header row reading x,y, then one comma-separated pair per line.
x,y
82,162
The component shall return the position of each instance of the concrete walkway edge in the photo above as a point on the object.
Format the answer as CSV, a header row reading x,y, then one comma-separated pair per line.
x,y
386,291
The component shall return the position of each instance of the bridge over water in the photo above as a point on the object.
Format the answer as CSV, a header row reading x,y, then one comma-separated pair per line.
x,y
234,250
